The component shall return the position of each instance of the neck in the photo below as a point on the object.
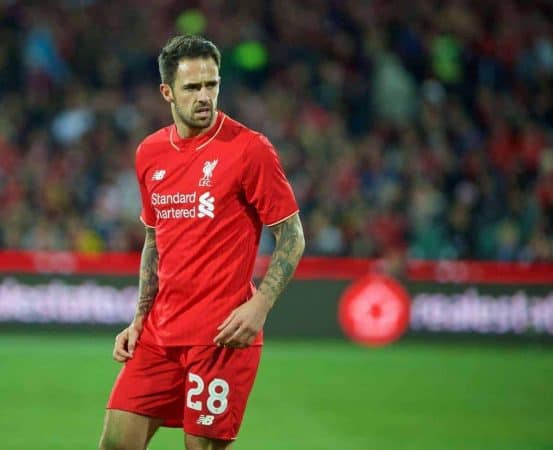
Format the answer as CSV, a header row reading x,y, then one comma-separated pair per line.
x,y
186,131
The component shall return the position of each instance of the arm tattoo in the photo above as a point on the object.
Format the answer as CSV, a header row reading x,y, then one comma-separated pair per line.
x,y
148,281
289,247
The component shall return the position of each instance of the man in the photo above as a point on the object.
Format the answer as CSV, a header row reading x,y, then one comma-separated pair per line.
x,y
207,185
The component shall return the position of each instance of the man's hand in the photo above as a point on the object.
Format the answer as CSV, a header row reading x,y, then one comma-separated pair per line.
x,y
243,324
125,342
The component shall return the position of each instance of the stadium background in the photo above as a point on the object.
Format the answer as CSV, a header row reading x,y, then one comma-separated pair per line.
x,y
418,139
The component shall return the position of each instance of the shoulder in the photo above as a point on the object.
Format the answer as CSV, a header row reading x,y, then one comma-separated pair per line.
x,y
153,141
259,146
258,153
250,139
149,149
255,146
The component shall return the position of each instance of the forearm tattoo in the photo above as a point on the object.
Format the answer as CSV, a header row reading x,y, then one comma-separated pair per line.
x,y
289,247
148,281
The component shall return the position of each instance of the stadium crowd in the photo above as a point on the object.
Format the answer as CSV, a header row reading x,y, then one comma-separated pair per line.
x,y
420,128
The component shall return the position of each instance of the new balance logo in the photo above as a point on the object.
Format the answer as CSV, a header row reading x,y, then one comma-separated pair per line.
x,y
206,206
205,420
158,175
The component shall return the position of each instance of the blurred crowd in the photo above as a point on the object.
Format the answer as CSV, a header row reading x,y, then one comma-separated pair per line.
x,y
412,128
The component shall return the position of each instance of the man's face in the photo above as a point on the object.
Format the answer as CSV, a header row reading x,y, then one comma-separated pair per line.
x,y
194,92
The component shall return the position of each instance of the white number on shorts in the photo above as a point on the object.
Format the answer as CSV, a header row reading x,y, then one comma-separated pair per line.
x,y
196,390
218,391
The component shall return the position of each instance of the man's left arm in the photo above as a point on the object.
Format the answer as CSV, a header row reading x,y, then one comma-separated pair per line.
x,y
241,327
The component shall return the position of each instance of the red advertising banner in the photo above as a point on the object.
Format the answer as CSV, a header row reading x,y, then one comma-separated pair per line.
x,y
310,268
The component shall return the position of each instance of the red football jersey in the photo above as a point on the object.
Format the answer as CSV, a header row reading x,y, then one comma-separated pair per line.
x,y
207,197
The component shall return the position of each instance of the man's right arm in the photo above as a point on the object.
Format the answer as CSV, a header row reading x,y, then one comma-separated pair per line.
x,y
148,281
125,341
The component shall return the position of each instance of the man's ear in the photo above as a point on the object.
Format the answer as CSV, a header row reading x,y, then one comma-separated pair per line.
x,y
166,92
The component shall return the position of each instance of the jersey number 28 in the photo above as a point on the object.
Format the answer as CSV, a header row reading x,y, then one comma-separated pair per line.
x,y
218,391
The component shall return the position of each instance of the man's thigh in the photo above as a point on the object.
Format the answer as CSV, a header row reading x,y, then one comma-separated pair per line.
x,y
218,383
200,443
151,384
126,430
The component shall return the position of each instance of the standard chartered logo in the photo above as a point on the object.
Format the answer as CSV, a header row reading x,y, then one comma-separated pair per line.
x,y
183,205
206,206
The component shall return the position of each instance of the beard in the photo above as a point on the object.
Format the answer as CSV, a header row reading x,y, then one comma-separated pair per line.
x,y
195,123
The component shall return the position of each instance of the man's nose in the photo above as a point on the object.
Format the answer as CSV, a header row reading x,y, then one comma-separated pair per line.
x,y
203,94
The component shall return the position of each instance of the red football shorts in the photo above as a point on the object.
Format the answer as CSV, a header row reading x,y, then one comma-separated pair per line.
x,y
204,389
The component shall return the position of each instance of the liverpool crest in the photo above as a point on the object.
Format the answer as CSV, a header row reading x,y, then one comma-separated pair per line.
x,y
208,168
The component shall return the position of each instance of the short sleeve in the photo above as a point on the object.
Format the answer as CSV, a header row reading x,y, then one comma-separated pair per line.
x,y
147,214
264,182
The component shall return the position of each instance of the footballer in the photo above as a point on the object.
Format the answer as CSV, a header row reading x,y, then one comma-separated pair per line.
x,y
208,184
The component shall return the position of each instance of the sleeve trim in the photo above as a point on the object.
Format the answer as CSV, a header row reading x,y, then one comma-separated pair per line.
x,y
145,224
283,219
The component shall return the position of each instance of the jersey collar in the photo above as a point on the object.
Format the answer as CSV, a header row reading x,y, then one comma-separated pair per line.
x,y
196,142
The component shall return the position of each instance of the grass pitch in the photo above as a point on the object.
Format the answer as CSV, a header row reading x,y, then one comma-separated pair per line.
x,y
316,395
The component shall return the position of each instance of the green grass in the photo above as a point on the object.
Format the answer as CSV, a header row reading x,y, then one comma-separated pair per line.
x,y
308,396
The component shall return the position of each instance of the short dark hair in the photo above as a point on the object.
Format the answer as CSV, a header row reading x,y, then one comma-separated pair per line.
x,y
185,46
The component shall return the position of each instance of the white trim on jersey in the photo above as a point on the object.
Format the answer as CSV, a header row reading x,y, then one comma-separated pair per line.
x,y
216,133
171,140
282,220
205,143
145,224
